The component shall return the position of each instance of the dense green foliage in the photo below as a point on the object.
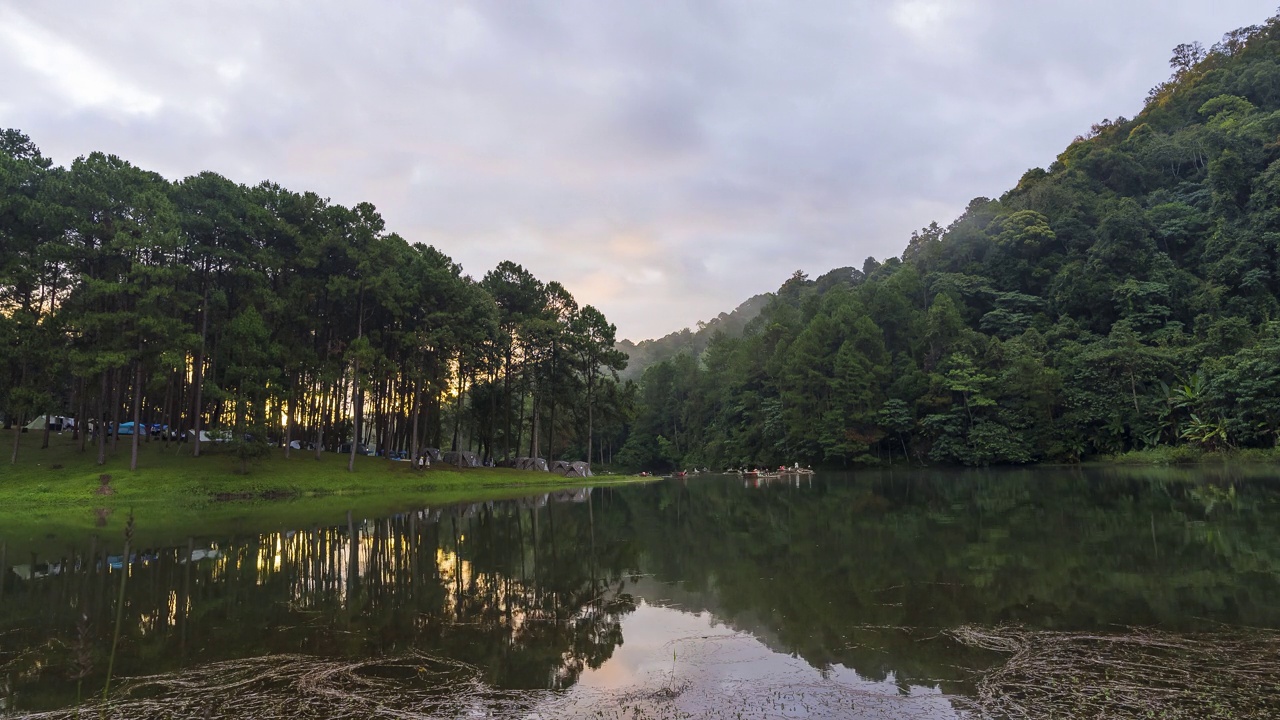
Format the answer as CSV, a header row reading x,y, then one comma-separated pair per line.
x,y
1127,297
277,317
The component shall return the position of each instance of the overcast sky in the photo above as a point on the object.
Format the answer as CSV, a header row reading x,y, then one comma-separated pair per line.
x,y
663,160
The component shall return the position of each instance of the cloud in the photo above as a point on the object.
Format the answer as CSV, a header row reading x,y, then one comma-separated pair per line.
x,y
664,161
926,21
77,78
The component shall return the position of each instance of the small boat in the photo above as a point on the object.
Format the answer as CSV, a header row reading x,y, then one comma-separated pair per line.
x,y
797,471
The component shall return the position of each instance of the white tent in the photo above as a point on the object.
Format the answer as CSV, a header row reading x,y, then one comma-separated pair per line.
x,y
205,437
56,422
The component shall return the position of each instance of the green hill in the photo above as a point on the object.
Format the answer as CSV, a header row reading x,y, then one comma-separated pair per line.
x,y
650,352
1126,297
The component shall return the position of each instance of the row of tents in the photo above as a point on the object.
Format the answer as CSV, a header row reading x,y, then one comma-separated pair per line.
x,y
565,468
457,458
62,423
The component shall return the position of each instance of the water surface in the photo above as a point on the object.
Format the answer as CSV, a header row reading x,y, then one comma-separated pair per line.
x,y
886,594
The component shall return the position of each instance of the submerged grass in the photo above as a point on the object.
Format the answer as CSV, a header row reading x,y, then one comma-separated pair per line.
x,y
57,493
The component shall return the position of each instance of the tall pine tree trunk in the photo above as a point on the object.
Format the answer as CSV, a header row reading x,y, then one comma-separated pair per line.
x,y
80,431
17,438
414,449
17,428
493,421
117,390
288,426
534,429
591,402
457,420
319,419
519,426
198,375
98,425
166,412
551,433
137,413
357,399
506,393
178,412
356,394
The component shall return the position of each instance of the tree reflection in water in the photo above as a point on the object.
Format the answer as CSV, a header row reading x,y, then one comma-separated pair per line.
x,y
524,590
868,573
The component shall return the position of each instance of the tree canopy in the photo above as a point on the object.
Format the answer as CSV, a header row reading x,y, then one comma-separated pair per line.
x,y
1059,321
277,319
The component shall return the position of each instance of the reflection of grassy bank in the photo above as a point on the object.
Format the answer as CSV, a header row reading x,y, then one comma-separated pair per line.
x,y
52,494
1186,455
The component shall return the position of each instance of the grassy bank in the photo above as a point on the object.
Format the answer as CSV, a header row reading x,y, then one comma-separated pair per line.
x,y
51,496
1185,454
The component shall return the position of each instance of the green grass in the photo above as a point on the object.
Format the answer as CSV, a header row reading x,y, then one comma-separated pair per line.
x,y
49,498
1185,454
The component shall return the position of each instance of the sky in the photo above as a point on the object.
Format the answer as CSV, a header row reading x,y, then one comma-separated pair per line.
x,y
664,161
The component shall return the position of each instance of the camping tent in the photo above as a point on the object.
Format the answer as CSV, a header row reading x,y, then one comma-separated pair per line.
x,y
463,458
56,423
217,436
569,468
528,463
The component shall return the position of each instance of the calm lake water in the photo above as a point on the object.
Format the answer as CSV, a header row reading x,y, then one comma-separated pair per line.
x,y
935,594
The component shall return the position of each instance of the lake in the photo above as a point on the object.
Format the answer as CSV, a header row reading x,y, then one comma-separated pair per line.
x,y
912,594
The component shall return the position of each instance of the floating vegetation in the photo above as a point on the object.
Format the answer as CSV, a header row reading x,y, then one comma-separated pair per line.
x,y
425,686
1136,674
298,686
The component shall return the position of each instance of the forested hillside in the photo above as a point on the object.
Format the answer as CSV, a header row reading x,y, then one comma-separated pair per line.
x,y
1127,297
276,317
645,353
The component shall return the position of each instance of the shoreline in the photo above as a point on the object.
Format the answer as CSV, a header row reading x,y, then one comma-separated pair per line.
x,y
1184,455
51,496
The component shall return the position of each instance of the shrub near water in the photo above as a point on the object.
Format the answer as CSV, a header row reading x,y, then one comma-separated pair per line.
x,y
1185,455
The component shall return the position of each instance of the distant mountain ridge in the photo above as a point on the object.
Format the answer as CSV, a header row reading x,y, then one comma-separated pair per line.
x,y
645,353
